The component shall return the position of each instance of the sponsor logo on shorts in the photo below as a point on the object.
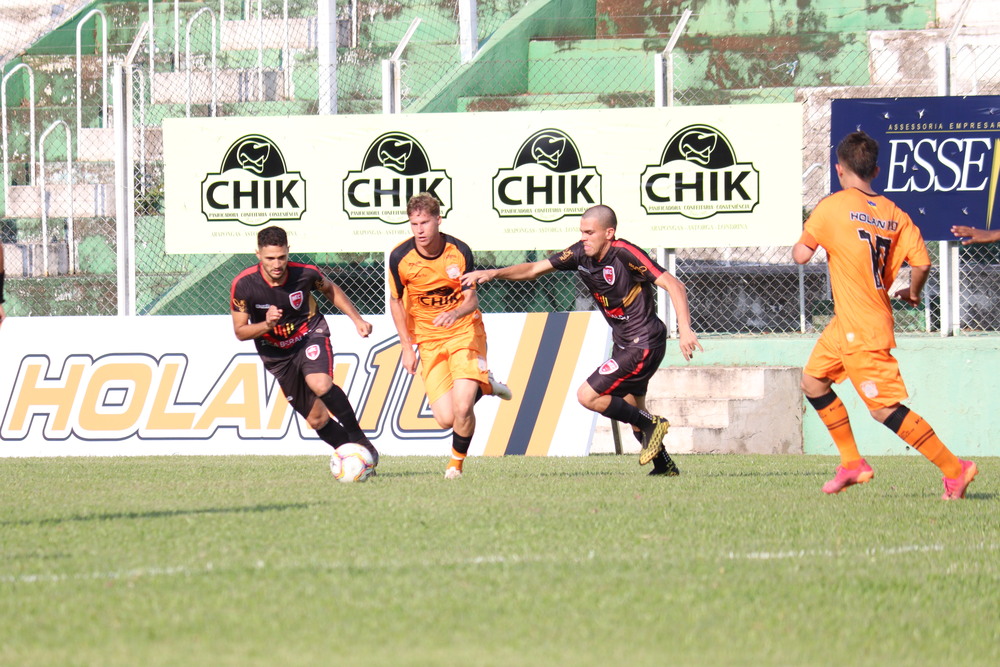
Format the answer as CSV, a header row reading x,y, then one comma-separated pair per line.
x,y
312,352
608,367
295,298
869,388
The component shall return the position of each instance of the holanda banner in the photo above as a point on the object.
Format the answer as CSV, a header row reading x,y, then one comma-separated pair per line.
x,y
185,385
938,156
677,177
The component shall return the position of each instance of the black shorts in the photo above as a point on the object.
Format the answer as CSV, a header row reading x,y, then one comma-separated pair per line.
x,y
313,355
628,371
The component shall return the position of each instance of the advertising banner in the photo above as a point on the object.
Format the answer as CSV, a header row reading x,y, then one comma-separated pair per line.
x,y
677,177
938,156
185,385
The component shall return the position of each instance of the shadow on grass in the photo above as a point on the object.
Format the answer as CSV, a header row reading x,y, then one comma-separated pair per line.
x,y
160,514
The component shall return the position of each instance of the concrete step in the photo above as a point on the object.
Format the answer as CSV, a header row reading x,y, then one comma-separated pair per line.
x,y
717,409
89,200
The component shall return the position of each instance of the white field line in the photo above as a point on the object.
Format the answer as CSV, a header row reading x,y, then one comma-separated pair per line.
x,y
495,559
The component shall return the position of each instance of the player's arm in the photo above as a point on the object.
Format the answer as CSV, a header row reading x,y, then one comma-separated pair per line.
x,y
526,271
469,305
398,312
246,331
972,235
918,277
338,297
678,298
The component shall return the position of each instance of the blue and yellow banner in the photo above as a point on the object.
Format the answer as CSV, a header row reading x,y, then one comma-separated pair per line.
x,y
939,157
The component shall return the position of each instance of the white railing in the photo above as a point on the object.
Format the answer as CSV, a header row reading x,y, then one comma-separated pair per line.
x,y
187,58
104,69
31,140
70,244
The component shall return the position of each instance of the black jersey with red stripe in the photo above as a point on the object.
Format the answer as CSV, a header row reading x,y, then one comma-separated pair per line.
x,y
622,286
253,295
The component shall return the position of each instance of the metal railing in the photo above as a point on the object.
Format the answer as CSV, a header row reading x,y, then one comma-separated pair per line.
x,y
104,68
5,130
43,199
187,60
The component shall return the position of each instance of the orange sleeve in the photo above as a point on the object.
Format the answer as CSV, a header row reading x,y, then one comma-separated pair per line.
x,y
807,240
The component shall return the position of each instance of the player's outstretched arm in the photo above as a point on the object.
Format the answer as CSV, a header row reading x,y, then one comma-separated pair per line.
x,y
970,235
343,303
678,298
526,271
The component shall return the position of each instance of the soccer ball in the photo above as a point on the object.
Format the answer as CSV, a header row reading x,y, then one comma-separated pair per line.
x,y
351,462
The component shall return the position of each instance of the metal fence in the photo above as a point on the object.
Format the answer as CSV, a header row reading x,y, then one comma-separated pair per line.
x,y
68,250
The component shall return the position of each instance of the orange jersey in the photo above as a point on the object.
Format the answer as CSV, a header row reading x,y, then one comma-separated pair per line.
x,y
867,238
430,286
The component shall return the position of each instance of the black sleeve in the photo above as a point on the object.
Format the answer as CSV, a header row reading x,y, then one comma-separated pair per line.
x,y
568,259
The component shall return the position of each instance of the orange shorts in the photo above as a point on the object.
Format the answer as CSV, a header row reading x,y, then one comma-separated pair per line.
x,y
443,362
874,373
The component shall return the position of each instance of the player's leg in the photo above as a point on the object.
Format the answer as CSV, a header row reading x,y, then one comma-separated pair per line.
x,y
287,371
883,390
823,368
316,361
663,464
627,370
463,399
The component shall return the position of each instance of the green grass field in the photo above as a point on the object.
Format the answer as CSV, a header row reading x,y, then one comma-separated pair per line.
x,y
268,561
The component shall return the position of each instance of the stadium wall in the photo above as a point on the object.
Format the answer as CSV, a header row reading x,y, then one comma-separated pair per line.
x,y
950,381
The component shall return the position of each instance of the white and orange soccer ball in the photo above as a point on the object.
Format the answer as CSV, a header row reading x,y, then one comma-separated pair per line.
x,y
351,462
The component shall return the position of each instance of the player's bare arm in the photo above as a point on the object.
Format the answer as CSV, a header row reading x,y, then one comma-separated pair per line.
x,y
526,271
678,299
970,235
343,303
802,253
409,355
470,302
911,294
246,331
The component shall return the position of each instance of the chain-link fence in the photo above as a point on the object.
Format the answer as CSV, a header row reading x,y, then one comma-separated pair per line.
x,y
287,58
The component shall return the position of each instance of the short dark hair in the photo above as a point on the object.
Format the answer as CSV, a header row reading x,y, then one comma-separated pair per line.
x,y
272,236
604,215
424,201
858,152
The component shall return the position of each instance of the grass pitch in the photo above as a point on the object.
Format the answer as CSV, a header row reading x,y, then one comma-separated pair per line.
x,y
268,561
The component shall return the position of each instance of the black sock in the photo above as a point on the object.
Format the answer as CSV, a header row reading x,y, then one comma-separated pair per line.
x,y
460,443
620,410
336,402
332,434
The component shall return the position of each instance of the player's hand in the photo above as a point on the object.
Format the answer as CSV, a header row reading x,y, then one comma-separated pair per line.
x,y
409,359
970,235
364,328
905,295
272,316
446,319
689,343
474,278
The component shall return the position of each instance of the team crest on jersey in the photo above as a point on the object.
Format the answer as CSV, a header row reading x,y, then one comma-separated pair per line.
x,y
608,367
295,298
609,275
453,271
312,352
698,176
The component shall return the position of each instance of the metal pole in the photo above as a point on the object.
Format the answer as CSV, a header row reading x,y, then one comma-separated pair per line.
x,y
123,188
327,47
468,30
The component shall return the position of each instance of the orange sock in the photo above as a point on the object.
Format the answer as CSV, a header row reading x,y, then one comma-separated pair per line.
x,y
457,459
918,434
833,413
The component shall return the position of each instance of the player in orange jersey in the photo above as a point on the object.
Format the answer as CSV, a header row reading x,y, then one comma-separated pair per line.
x,y
432,310
867,238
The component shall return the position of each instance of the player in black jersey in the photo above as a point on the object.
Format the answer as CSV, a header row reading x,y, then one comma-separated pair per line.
x,y
620,277
272,303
